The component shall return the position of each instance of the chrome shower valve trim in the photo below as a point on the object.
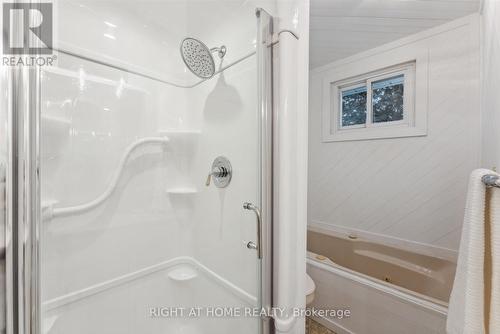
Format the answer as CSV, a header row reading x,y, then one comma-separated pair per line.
x,y
220,173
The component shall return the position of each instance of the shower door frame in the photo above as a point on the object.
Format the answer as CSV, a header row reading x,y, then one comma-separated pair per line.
x,y
264,54
23,193
22,207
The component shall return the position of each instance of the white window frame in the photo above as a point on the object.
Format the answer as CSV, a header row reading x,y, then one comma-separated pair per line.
x,y
338,103
408,73
364,72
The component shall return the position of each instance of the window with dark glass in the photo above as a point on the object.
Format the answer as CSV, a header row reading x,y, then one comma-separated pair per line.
x,y
387,99
377,104
354,106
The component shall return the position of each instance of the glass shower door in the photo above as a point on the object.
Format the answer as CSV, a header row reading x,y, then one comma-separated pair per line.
x,y
156,189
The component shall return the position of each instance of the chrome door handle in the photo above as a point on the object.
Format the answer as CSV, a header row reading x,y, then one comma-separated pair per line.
x,y
252,245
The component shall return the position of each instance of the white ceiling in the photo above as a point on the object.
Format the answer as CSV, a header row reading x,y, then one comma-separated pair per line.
x,y
340,28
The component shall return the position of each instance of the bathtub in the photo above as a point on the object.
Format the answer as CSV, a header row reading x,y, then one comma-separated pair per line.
x,y
386,289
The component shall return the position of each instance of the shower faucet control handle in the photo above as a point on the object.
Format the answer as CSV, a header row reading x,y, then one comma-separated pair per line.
x,y
217,172
220,173
208,179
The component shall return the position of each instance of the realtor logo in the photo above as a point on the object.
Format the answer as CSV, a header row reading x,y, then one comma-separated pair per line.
x,y
27,28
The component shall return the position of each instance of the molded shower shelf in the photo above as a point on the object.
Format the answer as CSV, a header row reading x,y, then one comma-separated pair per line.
x,y
182,191
182,273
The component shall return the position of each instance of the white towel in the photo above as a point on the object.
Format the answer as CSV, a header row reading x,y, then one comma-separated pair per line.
x,y
475,299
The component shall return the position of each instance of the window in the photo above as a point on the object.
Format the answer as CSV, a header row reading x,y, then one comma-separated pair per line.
x,y
353,106
378,104
388,99
377,100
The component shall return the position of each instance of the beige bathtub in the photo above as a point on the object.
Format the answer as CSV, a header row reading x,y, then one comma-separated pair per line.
x,y
389,290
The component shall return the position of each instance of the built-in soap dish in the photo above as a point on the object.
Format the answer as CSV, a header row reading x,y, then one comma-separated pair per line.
x,y
182,273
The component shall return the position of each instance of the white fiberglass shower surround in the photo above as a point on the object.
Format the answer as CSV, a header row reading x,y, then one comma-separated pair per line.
x,y
131,188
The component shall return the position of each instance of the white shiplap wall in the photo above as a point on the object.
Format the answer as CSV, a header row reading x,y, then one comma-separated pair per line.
x,y
341,28
409,189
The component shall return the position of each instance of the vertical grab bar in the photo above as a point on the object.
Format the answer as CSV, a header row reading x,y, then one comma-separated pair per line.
x,y
255,209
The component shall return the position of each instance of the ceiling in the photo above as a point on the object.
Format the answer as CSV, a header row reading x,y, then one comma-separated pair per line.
x,y
340,28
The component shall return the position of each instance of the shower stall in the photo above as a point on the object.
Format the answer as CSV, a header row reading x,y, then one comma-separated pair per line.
x,y
136,172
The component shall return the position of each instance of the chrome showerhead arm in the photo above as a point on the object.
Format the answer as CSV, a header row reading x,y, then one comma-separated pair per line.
x,y
221,51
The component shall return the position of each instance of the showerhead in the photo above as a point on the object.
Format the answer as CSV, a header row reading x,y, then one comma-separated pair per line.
x,y
198,57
